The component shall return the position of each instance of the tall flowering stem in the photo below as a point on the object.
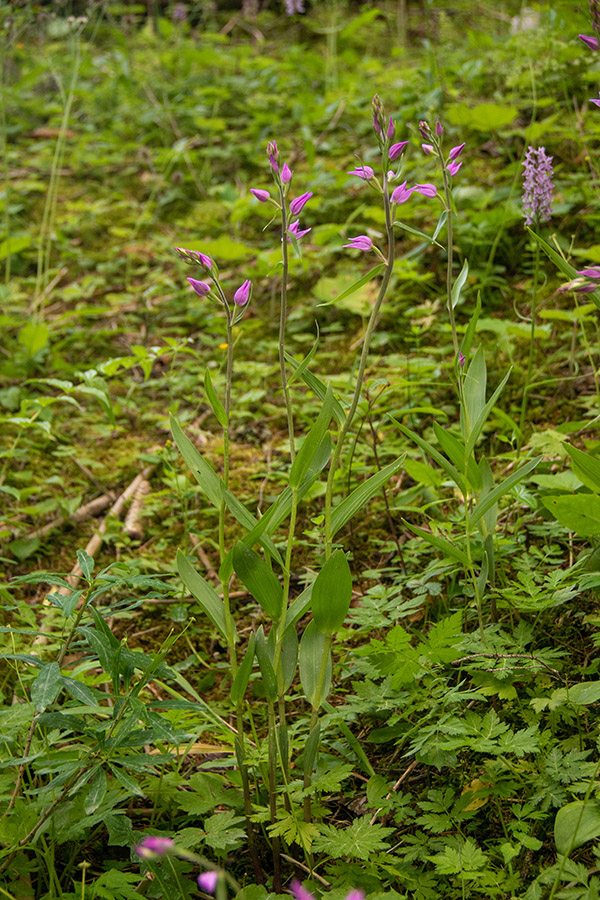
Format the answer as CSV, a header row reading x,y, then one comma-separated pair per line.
x,y
537,208
385,136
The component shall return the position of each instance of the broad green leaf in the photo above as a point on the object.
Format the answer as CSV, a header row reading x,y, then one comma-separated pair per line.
x,y
586,467
312,443
585,692
204,593
490,499
355,286
216,405
34,336
14,245
484,117
315,665
259,578
576,512
240,682
289,654
355,501
47,686
575,824
440,543
332,593
203,472
459,283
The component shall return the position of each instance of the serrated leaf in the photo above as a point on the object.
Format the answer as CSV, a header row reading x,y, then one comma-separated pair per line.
x,y
359,841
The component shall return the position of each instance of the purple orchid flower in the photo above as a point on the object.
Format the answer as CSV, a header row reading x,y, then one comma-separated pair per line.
x,y
537,185
439,128
456,151
401,193
294,229
427,149
194,256
261,195
362,242
153,845
207,881
453,167
201,287
364,172
590,42
595,100
427,189
242,295
397,150
286,174
391,130
297,204
589,273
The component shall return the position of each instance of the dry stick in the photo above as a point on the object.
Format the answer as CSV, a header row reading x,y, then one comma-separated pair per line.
x,y
84,512
116,509
133,519
404,775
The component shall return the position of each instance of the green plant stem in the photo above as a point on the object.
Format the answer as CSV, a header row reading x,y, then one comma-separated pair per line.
x,y
387,274
313,720
277,886
450,233
283,321
536,275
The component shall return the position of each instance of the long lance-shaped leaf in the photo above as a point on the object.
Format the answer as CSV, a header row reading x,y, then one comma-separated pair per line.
x,y
204,593
312,442
455,449
362,494
319,388
301,367
439,543
421,234
203,472
586,467
493,497
212,486
477,426
459,283
240,682
448,468
568,270
216,405
356,285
